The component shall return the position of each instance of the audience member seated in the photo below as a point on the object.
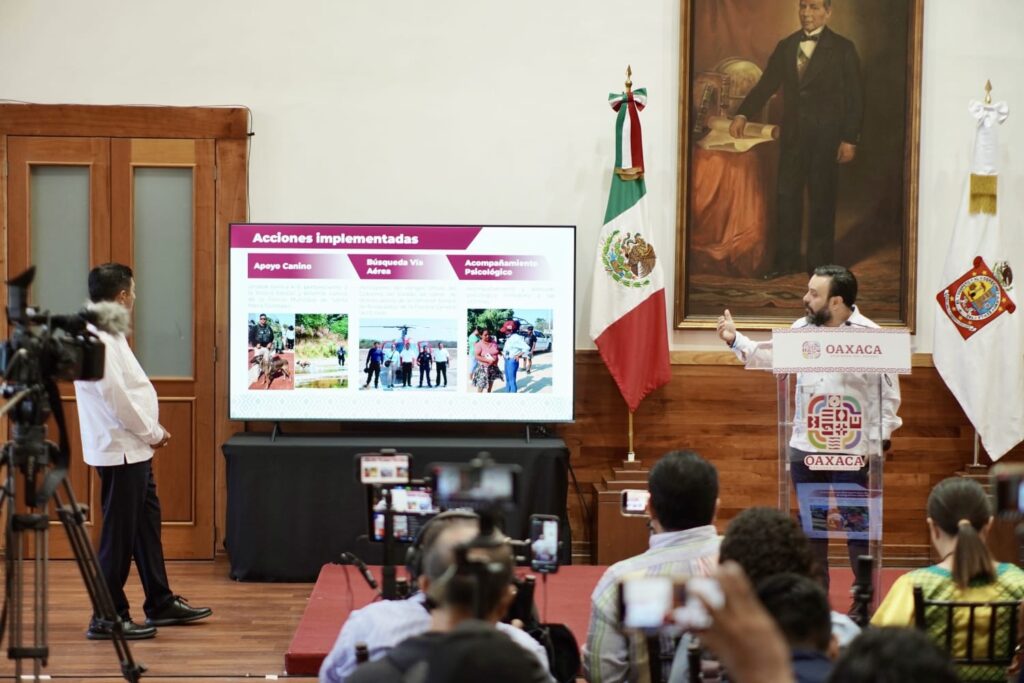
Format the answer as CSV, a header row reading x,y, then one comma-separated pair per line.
x,y
743,635
478,587
800,607
766,542
475,651
893,655
684,542
959,518
382,625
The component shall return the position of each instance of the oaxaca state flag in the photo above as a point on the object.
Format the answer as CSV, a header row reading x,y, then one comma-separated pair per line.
x,y
979,329
627,316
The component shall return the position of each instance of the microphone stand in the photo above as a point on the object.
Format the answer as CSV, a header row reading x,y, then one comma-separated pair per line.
x,y
388,586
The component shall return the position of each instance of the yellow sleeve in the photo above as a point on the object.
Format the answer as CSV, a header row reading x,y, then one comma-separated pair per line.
x,y
897,609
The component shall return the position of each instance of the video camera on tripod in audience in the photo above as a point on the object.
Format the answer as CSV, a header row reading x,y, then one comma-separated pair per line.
x,y
42,350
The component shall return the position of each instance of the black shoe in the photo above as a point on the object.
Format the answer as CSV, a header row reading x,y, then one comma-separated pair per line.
x,y
178,611
104,630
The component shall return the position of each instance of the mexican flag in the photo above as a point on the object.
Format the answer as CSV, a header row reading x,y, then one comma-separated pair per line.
x,y
627,314
979,328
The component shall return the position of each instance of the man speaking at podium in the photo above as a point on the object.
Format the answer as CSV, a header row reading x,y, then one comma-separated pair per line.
x,y
830,302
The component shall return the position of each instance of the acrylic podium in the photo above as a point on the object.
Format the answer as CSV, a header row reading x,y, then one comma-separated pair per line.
x,y
831,382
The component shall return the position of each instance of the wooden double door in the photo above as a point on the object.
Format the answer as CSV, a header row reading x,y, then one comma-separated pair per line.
x,y
75,202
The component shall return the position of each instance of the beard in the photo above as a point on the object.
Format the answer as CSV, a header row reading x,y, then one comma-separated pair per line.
x,y
818,318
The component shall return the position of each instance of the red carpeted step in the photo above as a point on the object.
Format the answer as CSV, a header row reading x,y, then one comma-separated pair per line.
x,y
334,596
566,600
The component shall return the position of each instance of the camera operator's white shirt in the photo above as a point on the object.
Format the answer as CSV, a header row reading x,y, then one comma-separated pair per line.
x,y
119,414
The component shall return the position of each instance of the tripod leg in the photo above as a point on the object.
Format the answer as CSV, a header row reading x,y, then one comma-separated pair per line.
x,y
72,516
16,536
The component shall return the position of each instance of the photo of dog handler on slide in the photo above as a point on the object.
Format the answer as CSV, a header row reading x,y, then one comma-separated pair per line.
x,y
271,365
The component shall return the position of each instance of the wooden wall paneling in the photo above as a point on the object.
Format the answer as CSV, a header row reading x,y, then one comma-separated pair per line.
x,y
231,207
728,415
124,121
174,465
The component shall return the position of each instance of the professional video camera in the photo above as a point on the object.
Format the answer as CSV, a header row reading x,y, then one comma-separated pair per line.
x,y
43,349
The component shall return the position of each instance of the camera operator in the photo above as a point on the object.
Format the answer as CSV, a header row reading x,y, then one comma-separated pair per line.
x,y
471,595
383,625
120,429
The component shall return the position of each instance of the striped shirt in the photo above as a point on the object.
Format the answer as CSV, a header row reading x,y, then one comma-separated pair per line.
x,y
692,552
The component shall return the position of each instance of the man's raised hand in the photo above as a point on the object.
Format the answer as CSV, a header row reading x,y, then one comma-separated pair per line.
x,y
726,328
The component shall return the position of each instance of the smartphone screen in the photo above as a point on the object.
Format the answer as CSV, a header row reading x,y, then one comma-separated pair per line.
x,y
411,506
646,602
634,502
462,485
1008,484
544,543
384,469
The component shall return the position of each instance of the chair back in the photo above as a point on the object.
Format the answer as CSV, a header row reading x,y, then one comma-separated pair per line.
x,y
994,621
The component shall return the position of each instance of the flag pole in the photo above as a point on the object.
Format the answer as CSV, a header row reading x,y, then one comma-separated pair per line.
x,y
631,456
976,448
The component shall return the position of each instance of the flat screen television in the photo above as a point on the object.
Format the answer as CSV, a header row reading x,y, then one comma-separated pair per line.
x,y
380,322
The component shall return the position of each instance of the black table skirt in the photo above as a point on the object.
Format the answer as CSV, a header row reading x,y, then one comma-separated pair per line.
x,y
296,503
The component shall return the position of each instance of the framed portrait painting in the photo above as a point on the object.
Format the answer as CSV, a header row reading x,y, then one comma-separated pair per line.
x,y
798,148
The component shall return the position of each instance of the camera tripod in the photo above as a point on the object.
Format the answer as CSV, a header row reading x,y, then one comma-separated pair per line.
x,y
43,466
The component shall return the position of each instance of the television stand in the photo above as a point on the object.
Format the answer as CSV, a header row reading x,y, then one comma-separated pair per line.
x,y
541,431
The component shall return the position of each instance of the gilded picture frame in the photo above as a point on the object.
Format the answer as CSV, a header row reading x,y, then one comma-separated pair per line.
x,y
737,197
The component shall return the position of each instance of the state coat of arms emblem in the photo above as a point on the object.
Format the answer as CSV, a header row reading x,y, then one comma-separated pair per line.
x,y
975,299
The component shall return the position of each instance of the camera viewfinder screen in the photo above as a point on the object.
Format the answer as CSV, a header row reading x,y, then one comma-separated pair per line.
x,y
412,507
456,484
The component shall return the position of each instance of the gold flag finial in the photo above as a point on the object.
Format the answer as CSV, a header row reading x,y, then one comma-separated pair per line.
x,y
629,75
988,92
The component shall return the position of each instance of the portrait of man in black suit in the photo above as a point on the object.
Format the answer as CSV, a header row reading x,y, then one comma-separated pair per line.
x,y
798,146
818,73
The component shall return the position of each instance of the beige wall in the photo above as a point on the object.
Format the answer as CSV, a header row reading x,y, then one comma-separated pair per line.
x,y
469,111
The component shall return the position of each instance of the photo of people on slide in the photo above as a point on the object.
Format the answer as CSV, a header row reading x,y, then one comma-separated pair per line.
x,y
509,350
321,346
271,354
408,353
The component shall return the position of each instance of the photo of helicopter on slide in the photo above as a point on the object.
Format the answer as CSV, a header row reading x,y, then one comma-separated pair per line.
x,y
402,354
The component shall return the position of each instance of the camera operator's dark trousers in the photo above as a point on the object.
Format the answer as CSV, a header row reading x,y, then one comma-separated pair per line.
x,y
131,530
801,474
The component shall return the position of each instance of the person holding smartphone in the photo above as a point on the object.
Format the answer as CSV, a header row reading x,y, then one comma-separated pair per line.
x,y
684,543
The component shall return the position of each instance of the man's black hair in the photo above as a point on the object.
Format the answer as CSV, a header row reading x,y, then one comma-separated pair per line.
x,y
893,655
482,573
109,280
800,607
765,542
684,489
843,283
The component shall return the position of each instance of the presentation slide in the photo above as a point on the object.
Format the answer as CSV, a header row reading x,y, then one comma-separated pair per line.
x,y
402,322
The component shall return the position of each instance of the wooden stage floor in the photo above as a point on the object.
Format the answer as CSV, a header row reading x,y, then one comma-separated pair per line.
x,y
246,637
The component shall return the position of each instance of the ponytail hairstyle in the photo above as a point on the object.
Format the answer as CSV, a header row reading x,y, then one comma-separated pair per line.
x,y
960,507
